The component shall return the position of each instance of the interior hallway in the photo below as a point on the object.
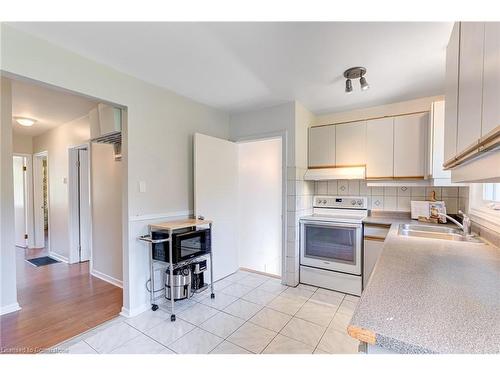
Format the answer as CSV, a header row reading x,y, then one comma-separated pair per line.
x,y
58,301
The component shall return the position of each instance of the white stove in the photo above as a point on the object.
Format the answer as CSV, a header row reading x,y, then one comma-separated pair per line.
x,y
331,243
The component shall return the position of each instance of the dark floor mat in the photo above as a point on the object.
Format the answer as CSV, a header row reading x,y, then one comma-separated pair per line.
x,y
42,261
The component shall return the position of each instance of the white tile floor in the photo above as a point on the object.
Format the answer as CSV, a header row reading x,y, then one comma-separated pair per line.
x,y
251,313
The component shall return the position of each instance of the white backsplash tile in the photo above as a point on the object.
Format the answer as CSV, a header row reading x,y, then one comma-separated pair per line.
x,y
417,191
343,187
321,187
403,191
449,192
332,187
353,187
390,191
404,204
377,190
390,203
363,189
377,202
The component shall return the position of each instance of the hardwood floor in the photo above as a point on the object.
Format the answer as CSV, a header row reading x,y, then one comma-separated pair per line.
x,y
58,302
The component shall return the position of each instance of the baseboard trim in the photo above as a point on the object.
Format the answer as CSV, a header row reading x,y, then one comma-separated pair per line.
x,y
260,273
107,278
127,313
58,257
10,308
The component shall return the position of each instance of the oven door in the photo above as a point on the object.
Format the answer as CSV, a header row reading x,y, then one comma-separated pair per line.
x,y
331,246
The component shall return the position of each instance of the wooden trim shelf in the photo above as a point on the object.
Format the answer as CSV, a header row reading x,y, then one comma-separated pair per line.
x,y
374,238
362,334
486,143
338,166
379,225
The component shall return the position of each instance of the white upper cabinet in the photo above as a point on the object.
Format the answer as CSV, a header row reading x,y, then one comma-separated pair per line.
x,y
380,148
491,78
470,87
451,94
350,144
321,146
436,142
410,145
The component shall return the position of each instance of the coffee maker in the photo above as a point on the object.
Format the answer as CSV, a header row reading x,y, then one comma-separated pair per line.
x,y
197,276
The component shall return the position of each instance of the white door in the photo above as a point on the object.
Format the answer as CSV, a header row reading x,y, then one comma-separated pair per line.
x,y
84,204
216,198
20,200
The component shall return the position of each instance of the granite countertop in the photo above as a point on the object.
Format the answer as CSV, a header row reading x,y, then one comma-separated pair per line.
x,y
431,296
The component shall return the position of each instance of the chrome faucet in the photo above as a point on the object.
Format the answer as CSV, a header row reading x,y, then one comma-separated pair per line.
x,y
466,225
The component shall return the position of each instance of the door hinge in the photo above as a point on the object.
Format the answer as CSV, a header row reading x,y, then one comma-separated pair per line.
x,y
26,236
24,168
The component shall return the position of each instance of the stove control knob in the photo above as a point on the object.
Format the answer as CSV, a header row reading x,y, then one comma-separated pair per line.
x,y
324,201
360,202
353,202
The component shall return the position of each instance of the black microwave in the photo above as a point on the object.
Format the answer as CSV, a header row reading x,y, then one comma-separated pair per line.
x,y
186,244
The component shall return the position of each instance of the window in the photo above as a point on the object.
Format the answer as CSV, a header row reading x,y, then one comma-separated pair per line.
x,y
491,192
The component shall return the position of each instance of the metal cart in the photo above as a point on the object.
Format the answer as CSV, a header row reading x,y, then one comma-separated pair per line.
x,y
170,226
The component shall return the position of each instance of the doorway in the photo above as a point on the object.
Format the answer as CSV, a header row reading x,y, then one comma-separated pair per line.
x,y
240,186
79,204
22,200
41,201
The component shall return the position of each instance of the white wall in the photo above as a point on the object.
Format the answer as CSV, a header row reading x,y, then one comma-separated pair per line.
x,y
157,142
107,257
22,143
8,292
410,106
56,142
259,208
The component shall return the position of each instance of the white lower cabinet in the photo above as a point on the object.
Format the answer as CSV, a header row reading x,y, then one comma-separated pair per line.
x,y
373,244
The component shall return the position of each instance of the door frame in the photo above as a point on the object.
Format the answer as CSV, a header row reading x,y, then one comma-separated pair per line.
x,y
73,199
282,134
28,198
38,199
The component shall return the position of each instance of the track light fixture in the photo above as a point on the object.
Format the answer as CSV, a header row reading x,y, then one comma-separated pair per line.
x,y
348,86
355,73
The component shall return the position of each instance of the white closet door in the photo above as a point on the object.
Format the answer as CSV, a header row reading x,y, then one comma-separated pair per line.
x,y
216,198
84,185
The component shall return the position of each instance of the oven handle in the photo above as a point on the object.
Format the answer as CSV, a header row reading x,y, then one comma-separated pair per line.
x,y
190,233
331,224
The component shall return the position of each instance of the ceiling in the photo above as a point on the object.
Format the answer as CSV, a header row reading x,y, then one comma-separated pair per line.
x,y
241,66
50,107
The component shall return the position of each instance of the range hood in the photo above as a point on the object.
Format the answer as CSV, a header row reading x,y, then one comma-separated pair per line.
x,y
106,126
340,173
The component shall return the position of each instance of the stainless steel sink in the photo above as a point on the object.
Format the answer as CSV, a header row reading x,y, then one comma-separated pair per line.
x,y
435,232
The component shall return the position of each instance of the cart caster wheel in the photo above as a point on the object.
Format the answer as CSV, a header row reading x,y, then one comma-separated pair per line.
x,y
154,307
212,296
172,318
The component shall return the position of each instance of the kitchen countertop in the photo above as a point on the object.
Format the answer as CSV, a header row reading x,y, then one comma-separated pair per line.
x,y
431,296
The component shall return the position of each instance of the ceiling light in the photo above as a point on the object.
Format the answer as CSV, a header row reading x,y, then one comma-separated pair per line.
x,y
355,73
364,84
25,121
348,86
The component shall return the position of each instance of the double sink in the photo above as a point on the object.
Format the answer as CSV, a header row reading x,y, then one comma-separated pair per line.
x,y
435,232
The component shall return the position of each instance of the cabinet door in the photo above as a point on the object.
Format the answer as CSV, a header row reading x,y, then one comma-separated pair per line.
x,y
451,94
470,88
491,78
350,144
380,148
436,141
410,145
371,253
322,146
